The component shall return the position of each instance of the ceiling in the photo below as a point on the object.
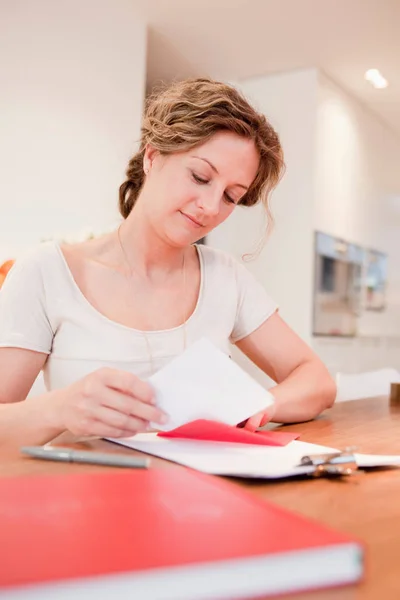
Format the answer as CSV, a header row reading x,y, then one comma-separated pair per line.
x,y
238,39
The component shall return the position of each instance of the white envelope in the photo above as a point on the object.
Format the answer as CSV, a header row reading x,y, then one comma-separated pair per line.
x,y
204,383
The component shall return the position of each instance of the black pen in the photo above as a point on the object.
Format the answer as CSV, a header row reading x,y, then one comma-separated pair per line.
x,y
85,456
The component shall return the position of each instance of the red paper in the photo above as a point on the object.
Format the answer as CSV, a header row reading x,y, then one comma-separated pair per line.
x,y
203,429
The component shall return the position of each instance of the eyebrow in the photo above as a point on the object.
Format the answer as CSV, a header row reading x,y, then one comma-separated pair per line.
x,y
214,168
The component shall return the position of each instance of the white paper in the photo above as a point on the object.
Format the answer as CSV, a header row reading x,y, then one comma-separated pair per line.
x,y
204,383
222,458
242,460
377,460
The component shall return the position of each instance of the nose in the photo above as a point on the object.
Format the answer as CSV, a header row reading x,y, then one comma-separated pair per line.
x,y
209,202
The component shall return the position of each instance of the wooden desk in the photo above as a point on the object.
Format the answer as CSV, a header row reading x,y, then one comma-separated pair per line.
x,y
367,506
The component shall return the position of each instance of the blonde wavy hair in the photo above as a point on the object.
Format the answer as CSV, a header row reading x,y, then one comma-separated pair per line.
x,y
187,114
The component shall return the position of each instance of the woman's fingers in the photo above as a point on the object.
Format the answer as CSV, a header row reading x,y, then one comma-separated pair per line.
x,y
92,427
129,406
259,419
128,384
108,403
267,415
253,422
121,421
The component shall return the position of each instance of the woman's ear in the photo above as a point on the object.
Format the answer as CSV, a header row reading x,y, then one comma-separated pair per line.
x,y
150,154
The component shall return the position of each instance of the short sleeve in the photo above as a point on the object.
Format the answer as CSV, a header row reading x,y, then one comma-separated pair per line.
x,y
254,306
23,316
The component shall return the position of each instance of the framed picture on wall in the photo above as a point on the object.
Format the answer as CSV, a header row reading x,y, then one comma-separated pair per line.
x,y
375,280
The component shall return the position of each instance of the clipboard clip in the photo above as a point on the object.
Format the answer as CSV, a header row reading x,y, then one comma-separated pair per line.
x,y
337,464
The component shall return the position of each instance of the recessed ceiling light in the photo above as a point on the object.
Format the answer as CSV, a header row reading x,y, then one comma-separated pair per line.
x,y
376,79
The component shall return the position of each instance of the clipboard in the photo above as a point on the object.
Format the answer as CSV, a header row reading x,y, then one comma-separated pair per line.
x,y
296,459
337,464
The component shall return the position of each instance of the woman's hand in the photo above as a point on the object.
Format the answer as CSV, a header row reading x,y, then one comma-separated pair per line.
x,y
260,419
106,403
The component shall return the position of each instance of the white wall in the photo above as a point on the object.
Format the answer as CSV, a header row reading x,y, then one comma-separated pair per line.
x,y
358,189
357,197
284,266
72,83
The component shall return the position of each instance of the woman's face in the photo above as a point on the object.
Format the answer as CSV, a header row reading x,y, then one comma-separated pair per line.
x,y
189,193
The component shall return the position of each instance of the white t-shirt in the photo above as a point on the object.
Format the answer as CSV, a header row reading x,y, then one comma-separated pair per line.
x,y
43,309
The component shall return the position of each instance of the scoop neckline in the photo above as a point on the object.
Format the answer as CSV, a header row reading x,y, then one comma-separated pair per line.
x,y
82,298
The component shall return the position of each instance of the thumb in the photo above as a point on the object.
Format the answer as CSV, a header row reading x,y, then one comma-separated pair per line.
x,y
267,415
254,422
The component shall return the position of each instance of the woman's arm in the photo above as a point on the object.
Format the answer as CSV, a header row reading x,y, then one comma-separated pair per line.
x,y
105,403
18,370
304,386
26,423
23,422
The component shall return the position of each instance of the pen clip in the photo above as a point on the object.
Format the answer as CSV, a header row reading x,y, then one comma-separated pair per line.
x,y
340,464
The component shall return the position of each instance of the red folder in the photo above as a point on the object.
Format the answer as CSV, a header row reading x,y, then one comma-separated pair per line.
x,y
160,534
203,429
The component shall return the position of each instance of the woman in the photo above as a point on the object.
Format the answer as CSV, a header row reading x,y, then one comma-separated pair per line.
x,y
99,317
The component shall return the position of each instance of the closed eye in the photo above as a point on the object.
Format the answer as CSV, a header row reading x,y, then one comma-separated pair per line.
x,y
202,181
199,180
229,199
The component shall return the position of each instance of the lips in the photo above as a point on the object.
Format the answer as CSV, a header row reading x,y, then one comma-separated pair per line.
x,y
192,219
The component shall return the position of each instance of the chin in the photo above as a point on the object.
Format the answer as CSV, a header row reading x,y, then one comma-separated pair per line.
x,y
178,241
182,238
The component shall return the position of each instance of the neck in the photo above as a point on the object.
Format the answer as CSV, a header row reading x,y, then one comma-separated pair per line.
x,y
143,248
